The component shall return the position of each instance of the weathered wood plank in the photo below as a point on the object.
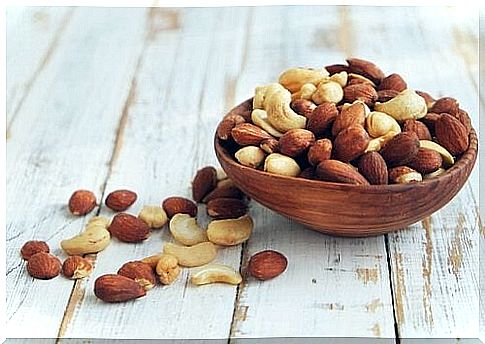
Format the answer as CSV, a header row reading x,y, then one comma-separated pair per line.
x,y
62,140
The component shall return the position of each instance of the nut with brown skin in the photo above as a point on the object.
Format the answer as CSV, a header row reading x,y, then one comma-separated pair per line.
x,y
76,267
351,143
373,167
128,228
307,173
426,161
267,264
205,181
339,172
451,134
464,119
430,121
366,68
401,149
336,68
386,95
140,272
43,265
445,105
247,134
227,124
117,288
32,247
393,82
354,79
319,151
322,118
177,205
82,202
349,116
363,92
269,146
427,98
120,200
224,189
404,175
418,127
303,107
295,142
226,208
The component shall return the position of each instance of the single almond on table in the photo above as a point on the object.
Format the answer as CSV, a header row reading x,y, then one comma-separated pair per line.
x,y
76,267
451,134
32,247
120,200
128,228
43,265
401,149
267,264
426,161
82,202
339,172
140,272
177,205
373,167
204,181
117,288
226,208
295,142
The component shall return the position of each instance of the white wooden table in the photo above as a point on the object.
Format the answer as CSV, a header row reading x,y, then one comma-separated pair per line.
x,y
103,98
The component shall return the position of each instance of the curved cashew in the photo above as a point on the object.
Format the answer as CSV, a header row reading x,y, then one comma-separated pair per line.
x,y
328,91
231,231
260,118
259,95
214,273
380,123
294,78
340,78
94,239
406,105
376,144
191,256
305,92
447,157
366,108
186,230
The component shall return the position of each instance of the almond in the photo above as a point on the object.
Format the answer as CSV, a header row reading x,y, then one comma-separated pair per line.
x,y
373,167
177,205
128,228
366,68
120,200
303,107
319,151
227,124
427,98
307,173
295,142
354,79
339,172
269,146
76,267
247,134
430,121
82,202
393,82
224,189
351,143
267,264
401,149
322,118
363,92
418,127
349,116
226,208
32,247
426,161
205,180
336,68
386,95
43,265
404,175
464,119
141,273
445,104
117,288
451,134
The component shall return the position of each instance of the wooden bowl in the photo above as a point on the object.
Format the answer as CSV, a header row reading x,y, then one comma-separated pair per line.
x,y
345,209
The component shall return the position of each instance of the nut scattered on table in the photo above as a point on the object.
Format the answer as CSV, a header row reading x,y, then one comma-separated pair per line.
x,y
93,239
120,200
32,247
43,265
267,264
117,288
226,208
204,181
230,232
190,256
215,273
179,205
153,215
128,228
82,202
186,231
141,273
76,267
167,269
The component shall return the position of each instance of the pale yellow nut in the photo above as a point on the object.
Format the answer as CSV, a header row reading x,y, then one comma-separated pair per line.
x,y
152,260
191,256
99,221
230,232
436,173
330,92
340,78
221,174
250,156
406,105
216,273
378,143
409,177
379,124
167,269
281,164
260,118
94,240
448,159
294,78
259,96
305,92
153,215
366,108
361,77
185,230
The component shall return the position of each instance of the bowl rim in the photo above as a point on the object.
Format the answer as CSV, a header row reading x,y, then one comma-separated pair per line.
x,y
469,156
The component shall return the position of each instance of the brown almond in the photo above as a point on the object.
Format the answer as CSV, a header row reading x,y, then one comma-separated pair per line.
x,y
307,173
32,247
386,95
451,134
76,267
227,124
319,151
226,208
82,202
140,272
430,121
363,92
246,134
177,205
373,167
351,115
303,107
427,98
336,68
426,161
117,288
445,104
366,68
120,200
295,142
464,119
267,264
205,181
224,189
128,228
418,127
401,149
393,82
322,118
269,146
43,265
351,143
404,175
339,172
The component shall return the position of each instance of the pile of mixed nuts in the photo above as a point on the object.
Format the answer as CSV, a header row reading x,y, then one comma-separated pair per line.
x,y
347,123
195,247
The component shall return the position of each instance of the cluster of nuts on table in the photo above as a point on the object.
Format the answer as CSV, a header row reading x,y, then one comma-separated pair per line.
x,y
348,124
196,247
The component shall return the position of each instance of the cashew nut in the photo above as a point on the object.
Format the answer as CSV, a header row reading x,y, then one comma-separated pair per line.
x,y
340,78
281,164
95,238
231,231
447,157
154,216
167,268
406,105
328,91
366,108
98,220
213,273
378,143
221,174
185,230
436,173
380,123
191,256
260,118
305,92
294,78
